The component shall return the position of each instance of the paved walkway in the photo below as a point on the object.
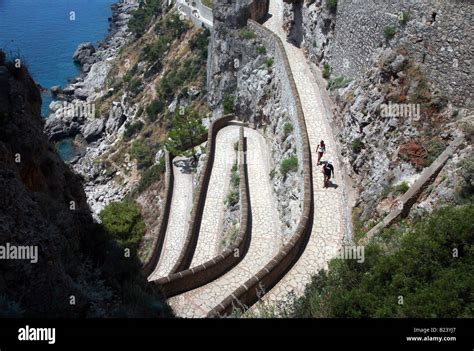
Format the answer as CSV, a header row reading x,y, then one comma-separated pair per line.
x,y
210,233
264,238
328,227
197,12
178,222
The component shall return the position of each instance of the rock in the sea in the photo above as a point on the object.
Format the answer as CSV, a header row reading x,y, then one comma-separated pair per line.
x,y
83,51
55,90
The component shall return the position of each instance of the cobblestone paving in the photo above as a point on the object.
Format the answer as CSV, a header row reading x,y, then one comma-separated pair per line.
x,y
177,229
210,233
264,238
328,227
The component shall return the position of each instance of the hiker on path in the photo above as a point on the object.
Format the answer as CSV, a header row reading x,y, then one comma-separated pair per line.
x,y
328,170
321,150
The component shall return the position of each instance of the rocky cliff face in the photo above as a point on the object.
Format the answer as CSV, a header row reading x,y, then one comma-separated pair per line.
x,y
76,114
434,33
396,72
244,70
43,205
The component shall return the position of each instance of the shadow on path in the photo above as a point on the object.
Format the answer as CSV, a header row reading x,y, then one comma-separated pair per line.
x,y
185,165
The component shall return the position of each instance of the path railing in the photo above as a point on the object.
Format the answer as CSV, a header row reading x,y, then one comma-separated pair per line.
x,y
185,280
254,288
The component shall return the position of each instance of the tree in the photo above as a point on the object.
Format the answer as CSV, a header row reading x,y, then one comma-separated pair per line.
x,y
123,221
186,133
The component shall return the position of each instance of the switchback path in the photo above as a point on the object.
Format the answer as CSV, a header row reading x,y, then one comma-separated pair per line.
x,y
178,222
329,204
210,233
265,235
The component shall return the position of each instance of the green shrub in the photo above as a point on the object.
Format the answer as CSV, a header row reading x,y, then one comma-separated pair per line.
x,y
357,145
123,222
156,107
228,104
331,5
234,177
417,263
288,128
132,128
289,165
171,26
135,86
142,17
187,132
389,32
208,3
261,50
200,43
246,33
157,50
269,62
149,177
142,153
174,80
338,83
403,187
434,148
404,17
232,199
326,71
466,189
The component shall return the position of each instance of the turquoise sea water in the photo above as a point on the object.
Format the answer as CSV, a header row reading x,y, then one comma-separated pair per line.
x,y
45,34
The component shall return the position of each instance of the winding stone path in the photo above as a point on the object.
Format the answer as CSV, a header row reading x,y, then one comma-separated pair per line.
x,y
210,233
264,237
329,204
178,222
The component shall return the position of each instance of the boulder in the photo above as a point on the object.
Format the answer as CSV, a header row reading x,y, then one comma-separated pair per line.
x,y
93,130
116,119
83,51
55,90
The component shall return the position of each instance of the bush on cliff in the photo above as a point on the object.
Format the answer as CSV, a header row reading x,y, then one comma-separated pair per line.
x,y
422,271
331,5
123,222
186,133
389,32
142,153
142,17
289,165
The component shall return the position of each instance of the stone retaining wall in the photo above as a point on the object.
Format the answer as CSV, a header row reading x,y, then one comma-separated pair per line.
x,y
186,256
267,277
409,198
152,261
195,277
438,35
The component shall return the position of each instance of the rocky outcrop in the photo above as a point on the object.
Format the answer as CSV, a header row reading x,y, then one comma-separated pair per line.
x,y
383,150
43,206
379,57
348,37
244,69
83,55
74,114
